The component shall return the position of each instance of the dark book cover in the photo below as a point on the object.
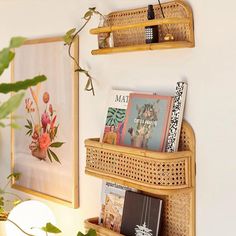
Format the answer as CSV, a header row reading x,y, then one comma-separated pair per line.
x,y
141,215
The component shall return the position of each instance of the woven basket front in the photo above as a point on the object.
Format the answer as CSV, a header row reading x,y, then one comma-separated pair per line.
x,y
153,169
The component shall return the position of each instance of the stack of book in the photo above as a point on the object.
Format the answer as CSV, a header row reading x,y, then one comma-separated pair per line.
x,y
147,121
129,212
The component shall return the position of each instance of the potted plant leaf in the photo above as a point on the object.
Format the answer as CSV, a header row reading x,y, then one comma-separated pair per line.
x,y
7,54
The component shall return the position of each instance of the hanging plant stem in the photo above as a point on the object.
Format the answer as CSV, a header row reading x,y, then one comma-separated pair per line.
x,y
17,226
69,39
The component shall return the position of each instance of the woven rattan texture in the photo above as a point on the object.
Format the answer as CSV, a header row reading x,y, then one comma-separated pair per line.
x,y
134,36
165,173
152,171
176,214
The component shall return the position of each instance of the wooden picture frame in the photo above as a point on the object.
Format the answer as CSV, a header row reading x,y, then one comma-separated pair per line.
x,y
45,149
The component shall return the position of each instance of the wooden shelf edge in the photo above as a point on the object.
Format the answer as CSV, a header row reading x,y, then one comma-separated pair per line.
x,y
176,20
92,223
144,47
159,190
94,142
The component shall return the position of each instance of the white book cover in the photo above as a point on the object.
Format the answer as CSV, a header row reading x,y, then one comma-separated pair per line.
x,y
176,117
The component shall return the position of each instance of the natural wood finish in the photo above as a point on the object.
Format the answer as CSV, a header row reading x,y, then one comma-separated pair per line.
x,y
179,199
141,24
101,231
144,47
128,28
75,88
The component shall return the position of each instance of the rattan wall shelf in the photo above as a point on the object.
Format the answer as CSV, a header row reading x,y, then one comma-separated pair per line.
x,y
170,176
128,28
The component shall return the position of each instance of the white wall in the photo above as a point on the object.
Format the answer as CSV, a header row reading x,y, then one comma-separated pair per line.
x,y
208,68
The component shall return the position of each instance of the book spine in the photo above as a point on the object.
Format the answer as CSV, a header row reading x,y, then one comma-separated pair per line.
x,y
176,117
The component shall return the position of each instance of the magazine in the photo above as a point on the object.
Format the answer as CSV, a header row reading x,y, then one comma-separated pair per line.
x,y
118,101
113,212
111,188
146,121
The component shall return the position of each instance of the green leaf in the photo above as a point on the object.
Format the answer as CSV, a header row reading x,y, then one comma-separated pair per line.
x,y
91,232
15,126
21,85
2,125
17,42
54,156
30,123
15,175
67,39
71,31
56,129
88,85
56,144
49,155
88,15
6,56
29,133
80,234
10,105
50,228
1,201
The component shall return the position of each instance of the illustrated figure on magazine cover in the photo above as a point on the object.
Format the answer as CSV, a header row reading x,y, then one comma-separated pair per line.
x,y
145,122
111,136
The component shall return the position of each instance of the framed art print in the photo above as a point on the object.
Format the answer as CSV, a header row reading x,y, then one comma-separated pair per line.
x,y
45,149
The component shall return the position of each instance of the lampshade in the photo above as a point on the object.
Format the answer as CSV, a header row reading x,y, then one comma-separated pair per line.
x,y
30,216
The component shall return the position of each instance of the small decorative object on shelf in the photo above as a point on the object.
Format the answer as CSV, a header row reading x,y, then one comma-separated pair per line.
x,y
104,39
151,31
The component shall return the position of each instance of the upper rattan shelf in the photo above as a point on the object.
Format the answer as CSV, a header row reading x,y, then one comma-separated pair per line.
x,y
128,28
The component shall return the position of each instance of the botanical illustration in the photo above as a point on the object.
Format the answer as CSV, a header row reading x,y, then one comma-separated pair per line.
x,y
42,127
146,120
142,230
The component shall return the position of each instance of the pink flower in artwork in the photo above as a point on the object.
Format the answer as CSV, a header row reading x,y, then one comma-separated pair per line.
x,y
45,120
51,109
29,105
44,141
43,134
53,122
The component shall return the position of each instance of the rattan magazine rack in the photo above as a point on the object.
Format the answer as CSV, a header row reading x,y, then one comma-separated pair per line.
x,y
128,28
169,176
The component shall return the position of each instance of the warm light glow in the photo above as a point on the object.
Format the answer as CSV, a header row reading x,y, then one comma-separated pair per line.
x,y
29,215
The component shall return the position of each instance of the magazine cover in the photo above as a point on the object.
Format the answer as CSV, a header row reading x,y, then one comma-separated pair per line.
x,y
111,188
118,101
146,121
141,215
113,212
